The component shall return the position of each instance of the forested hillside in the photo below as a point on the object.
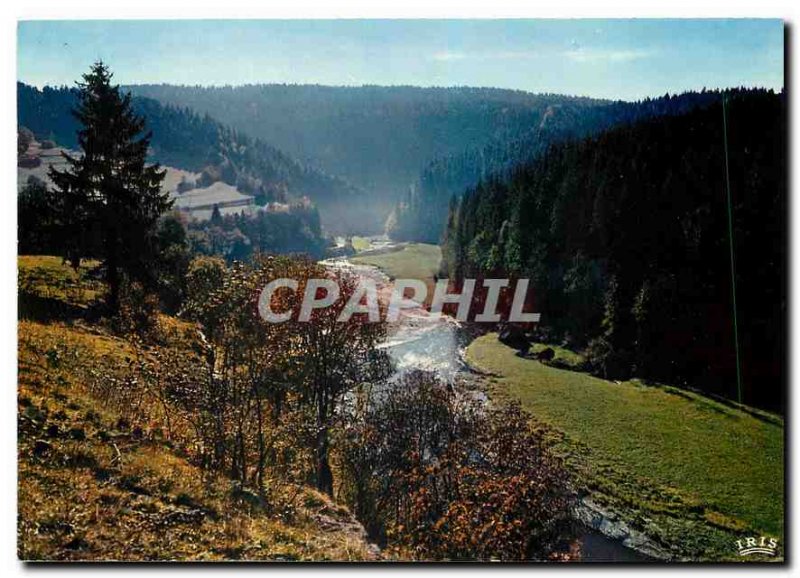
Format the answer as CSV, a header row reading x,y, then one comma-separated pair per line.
x,y
420,214
199,143
376,137
625,237
412,148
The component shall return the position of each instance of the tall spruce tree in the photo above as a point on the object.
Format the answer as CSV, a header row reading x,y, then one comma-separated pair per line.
x,y
110,199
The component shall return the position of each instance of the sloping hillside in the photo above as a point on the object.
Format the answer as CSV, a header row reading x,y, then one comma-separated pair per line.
x,y
195,202
627,238
421,214
199,144
377,137
97,485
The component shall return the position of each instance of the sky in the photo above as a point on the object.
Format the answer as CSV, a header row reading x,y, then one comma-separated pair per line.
x,y
625,59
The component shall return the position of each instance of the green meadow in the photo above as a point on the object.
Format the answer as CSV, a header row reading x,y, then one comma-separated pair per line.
x,y
694,472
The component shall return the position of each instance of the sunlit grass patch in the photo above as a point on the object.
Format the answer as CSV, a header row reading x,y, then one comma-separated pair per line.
x,y
724,465
49,277
360,243
412,261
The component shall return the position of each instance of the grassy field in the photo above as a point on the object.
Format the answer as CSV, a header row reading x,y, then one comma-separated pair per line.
x,y
411,261
563,356
360,243
97,482
692,472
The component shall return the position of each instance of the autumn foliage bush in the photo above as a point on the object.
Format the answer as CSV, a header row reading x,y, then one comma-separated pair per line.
x,y
435,473
253,399
431,472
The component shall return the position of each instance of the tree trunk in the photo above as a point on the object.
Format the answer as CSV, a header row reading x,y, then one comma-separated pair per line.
x,y
324,473
112,277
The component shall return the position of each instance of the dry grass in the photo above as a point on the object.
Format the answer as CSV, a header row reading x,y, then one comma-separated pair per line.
x,y
97,484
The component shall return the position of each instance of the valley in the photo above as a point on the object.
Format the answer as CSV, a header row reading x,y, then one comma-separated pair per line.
x,y
639,450
199,378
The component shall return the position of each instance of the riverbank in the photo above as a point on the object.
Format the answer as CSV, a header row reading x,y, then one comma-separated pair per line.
x,y
691,474
440,347
629,504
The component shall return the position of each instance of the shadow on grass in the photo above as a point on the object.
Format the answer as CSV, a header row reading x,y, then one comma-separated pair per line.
x,y
33,307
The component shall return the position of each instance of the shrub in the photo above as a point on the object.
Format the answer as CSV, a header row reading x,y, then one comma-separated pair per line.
x,y
28,162
137,312
24,138
210,175
607,362
205,276
432,471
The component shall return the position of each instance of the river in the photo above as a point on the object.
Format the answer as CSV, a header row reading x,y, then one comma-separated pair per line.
x,y
418,342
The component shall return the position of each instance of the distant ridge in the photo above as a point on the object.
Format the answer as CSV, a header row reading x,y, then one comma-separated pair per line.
x,y
198,143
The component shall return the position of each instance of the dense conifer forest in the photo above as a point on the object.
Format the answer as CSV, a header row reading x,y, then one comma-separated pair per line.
x,y
420,214
626,239
377,137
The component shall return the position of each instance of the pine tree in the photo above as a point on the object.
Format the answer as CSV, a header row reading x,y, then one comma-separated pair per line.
x,y
111,198
216,216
